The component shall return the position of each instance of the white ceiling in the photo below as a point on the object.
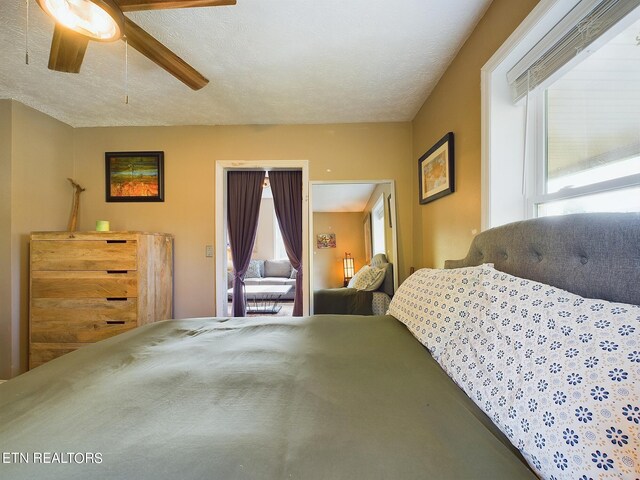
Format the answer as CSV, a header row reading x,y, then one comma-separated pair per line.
x,y
268,62
341,197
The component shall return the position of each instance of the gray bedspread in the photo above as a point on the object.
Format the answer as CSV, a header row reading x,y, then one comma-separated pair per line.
x,y
342,301
254,398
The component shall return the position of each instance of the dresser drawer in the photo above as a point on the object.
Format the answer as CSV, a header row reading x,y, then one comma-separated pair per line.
x,y
84,285
40,353
83,255
74,320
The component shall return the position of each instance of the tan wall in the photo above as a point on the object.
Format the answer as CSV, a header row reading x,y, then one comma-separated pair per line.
x,y
5,239
444,228
350,152
41,161
327,262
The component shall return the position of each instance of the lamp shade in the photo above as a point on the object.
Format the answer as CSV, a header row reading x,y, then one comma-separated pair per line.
x,y
99,20
348,267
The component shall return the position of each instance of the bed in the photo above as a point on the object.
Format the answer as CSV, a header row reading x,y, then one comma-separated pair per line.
x,y
322,397
372,300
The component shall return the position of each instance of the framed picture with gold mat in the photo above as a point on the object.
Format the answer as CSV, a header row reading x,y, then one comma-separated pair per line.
x,y
436,170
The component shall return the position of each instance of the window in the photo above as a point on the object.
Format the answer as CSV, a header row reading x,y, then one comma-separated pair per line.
x,y
377,226
279,252
592,133
561,122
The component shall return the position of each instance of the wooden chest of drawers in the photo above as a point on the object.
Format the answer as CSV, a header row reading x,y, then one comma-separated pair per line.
x,y
88,286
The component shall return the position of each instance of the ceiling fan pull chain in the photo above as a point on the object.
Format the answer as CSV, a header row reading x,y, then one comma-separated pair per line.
x,y
26,41
126,71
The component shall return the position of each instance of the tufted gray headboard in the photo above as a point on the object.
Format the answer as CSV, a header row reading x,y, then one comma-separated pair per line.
x,y
594,255
380,260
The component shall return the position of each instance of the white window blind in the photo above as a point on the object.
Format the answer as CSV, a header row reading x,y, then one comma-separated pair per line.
x,y
584,24
377,226
279,250
378,210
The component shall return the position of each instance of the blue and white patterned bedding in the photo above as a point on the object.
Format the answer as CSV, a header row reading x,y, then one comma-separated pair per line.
x,y
557,373
380,303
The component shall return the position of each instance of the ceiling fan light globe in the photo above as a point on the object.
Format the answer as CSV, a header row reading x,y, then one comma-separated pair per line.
x,y
99,20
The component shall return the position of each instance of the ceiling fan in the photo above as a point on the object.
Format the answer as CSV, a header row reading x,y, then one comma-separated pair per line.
x,y
78,21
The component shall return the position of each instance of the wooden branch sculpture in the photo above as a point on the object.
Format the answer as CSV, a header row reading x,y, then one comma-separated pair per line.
x,y
73,219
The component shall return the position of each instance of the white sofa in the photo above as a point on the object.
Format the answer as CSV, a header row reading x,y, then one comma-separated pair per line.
x,y
269,272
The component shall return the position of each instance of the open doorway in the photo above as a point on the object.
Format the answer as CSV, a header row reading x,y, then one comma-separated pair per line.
x,y
222,260
270,278
352,226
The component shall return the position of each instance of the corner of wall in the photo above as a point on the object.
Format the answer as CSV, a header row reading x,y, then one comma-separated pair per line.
x,y
41,159
444,228
5,238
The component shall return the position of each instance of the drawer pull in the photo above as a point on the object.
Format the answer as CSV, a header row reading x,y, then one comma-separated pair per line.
x,y
115,322
117,299
116,241
117,271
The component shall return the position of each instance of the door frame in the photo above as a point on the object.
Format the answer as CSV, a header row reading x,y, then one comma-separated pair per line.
x,y
222,168
394,222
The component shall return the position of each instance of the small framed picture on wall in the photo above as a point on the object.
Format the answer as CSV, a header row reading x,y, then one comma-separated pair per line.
x,y
326,240
134,176
436,170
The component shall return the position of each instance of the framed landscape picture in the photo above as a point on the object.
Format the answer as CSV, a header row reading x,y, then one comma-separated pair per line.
x,y
436,170
134,176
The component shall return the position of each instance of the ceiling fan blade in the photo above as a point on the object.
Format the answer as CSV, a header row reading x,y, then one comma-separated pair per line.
x,y
67,50
161,55
136,5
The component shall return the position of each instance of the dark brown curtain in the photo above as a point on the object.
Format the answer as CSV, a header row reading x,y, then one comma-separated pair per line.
x,y
244,193
286,187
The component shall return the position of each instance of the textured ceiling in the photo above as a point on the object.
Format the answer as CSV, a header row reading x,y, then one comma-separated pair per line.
x,y
341,197
268,62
